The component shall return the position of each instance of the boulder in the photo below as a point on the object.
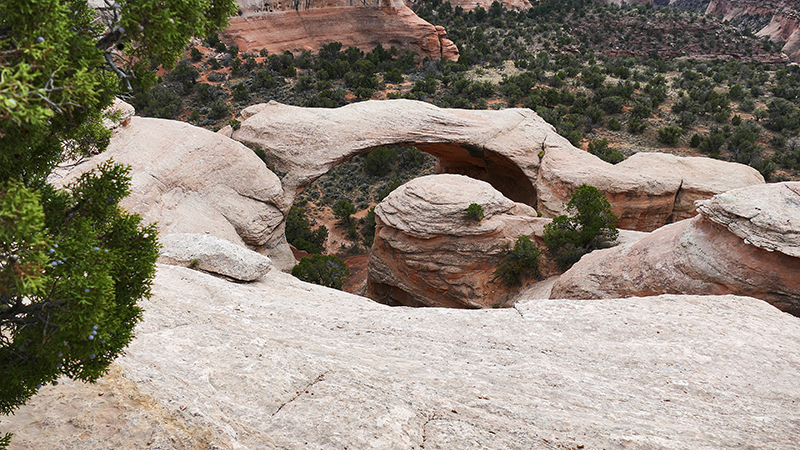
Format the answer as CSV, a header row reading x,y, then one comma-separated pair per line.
x,y
191,180
280,364
744,242
428,253
296,26
212,254
514,150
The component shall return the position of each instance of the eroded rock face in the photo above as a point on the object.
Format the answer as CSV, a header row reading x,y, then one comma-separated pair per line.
x,y
427,253
295,26
191,180
783,27
646,190
279,363
502,148
212,254
744,242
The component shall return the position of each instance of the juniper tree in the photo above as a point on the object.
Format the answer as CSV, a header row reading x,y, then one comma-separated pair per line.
x,y
72,263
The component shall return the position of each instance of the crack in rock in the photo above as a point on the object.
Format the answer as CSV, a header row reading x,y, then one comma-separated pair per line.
x,y
300,392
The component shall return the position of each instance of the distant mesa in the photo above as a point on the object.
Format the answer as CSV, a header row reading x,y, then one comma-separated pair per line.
x,y
279,26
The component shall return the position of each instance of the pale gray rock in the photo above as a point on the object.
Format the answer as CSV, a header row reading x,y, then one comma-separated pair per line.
x,y
191,180
212,254
743,242
766,216
281,364
121,113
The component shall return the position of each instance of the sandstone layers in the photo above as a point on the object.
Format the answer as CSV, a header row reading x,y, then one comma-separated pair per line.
x,y
784,26
514,150
427,253
191,180
744,242
281,364
295,26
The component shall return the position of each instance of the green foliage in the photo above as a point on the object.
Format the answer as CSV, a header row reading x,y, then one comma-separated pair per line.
x,y
325,270
73,268
474,212
669,135
601,149
380,161
73,264
343,209
519,263
590,226
299,233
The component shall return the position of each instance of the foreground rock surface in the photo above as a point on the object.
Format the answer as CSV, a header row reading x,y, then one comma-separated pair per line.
x,y
744,242
428,253
514,150
214,255
191,180
283,364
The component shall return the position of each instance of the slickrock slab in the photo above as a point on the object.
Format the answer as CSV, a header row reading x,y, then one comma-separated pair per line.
x,y
766,216
742,243
191,180
212,254
282,364
428,253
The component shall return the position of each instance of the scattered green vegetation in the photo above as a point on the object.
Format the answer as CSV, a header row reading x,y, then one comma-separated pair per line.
x,y
474,212
519,263
591,225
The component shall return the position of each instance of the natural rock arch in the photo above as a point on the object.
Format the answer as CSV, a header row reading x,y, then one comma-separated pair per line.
x,y
514,150
499,147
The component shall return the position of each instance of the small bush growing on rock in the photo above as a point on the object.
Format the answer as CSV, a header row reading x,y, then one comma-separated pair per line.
x,y
591,226
474,212
325,270
521,262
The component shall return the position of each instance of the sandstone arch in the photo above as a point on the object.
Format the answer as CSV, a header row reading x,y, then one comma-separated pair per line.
x,y
514,150
499,147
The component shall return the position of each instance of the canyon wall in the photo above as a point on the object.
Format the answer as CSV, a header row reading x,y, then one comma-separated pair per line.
x,y
784,26
308,25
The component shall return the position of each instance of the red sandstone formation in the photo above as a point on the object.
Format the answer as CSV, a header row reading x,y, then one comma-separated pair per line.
x,y
295,26
785,24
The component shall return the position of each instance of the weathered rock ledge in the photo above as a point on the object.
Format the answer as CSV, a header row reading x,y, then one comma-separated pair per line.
x,y
427,253
743,242
282,364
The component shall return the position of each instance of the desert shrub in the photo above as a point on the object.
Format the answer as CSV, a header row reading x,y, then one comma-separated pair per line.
x,y
325,270
379,162
669,135
343,209
299,233
519,263
601,149
590,226
474,212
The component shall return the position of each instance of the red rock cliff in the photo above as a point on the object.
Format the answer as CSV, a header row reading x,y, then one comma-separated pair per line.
x,y
296,25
